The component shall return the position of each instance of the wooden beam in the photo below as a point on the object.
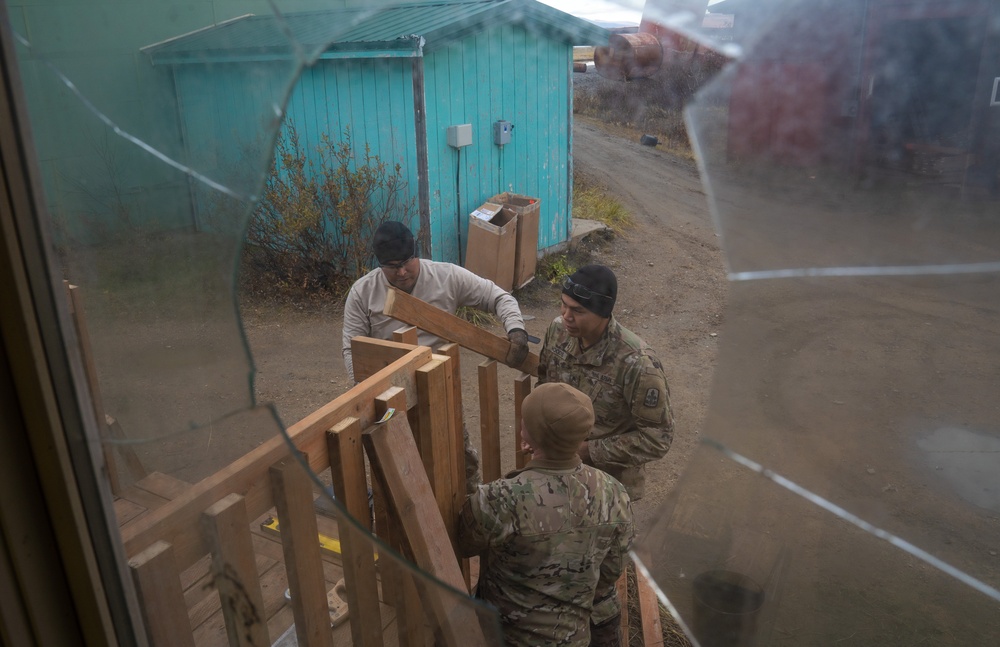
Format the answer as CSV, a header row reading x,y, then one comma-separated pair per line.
x,y
118,438
649,610
400,305
406,335
234,571
489,420
177,520
406,600
303,564
396,462
347,469
161,600
370,355
522,387
435,444
457,432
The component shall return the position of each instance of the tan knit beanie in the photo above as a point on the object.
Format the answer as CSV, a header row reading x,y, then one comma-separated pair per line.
x,y
558,419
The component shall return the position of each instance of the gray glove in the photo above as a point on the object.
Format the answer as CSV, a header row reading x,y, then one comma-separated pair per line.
x,y
518,347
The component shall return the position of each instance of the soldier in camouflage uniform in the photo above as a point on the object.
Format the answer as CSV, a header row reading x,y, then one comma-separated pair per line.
x,y
554,536
588,349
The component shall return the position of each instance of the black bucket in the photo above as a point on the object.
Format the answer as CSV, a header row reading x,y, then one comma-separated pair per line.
x,y
726,605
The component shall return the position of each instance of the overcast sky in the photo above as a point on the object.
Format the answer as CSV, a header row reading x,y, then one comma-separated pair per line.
x,y
610,10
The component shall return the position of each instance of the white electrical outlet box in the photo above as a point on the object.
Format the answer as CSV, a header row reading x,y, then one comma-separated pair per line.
x,y
460,135
501,132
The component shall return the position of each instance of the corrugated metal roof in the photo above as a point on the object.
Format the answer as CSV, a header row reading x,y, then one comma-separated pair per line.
x,y
377,31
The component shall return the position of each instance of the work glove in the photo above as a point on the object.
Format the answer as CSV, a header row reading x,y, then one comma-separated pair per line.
x,y
518,347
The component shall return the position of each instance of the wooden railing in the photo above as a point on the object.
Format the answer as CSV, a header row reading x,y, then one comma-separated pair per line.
x,y
418,484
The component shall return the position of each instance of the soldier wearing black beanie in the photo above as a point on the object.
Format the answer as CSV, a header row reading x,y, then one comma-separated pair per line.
x,y
594,287
589,350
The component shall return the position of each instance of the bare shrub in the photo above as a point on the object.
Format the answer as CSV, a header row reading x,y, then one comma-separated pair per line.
x,y
311,230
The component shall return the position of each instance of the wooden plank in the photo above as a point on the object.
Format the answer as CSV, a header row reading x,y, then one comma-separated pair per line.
x,y
621,590
522,387
227,530
446,325
409,611
396,463
126,510
293,501
120,442
406,335
347,469
649,611
143,498
435,444
370,355
453,381
195,572
90,372
203,601
163,485
177,520
489,420
161,600
456,435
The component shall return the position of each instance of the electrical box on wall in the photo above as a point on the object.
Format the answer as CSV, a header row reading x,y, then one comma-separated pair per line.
x,y
501,132
460,135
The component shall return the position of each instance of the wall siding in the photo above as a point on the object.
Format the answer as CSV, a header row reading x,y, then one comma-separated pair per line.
x,y
226,110
503,73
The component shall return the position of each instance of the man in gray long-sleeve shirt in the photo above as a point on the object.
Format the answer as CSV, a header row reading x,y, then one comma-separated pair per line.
x,y
444,285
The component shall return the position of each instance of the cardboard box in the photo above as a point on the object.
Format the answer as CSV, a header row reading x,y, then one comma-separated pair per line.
x,y
489,251
526,250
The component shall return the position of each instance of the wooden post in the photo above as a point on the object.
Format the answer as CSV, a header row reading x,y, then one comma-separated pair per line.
x,y
158,585
434,442
409,610
522,387
649,610
109,428
446,325
457,439
489,420
347,469
405,335
293,498
396,462
234,571
454,351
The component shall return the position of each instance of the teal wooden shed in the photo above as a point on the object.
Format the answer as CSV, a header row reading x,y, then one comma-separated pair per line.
x,y
398,77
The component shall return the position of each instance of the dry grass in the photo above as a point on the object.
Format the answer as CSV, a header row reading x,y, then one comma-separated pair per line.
x,y
477,317
652,106
594,202
672,634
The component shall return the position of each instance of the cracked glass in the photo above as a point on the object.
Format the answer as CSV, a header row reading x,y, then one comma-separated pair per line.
x,y
842,487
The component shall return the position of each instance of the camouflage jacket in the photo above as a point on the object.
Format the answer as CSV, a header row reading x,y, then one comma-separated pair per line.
x,y
554,538
633,422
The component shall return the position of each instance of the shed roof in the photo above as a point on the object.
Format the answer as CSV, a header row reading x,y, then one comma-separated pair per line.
x,y
393,31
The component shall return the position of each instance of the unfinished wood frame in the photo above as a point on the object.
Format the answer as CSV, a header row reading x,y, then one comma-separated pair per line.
x,y
421,480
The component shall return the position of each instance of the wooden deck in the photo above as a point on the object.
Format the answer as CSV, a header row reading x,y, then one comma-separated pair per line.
x,y
200,594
